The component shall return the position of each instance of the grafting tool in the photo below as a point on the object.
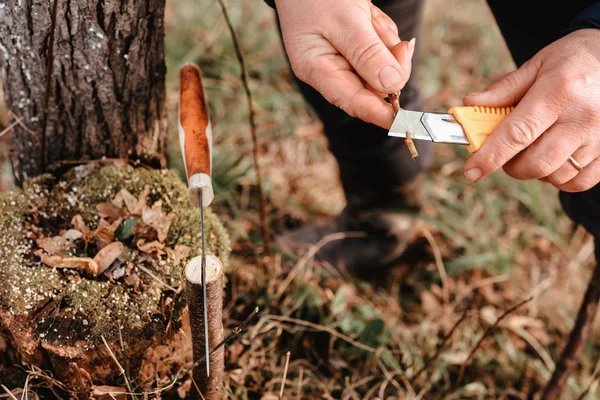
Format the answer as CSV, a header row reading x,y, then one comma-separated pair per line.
x,y
195,137
468,126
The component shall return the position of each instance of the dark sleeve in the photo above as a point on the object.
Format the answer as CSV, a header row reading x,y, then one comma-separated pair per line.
x,y
270,3
588,18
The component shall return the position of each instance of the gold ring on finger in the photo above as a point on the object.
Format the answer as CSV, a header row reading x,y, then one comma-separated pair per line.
x,y
575,164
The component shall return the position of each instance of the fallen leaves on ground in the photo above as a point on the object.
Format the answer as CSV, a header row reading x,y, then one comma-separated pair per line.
x,y
121,219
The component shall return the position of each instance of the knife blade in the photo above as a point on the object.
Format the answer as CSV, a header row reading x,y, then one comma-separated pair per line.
x,y
468,126
195,137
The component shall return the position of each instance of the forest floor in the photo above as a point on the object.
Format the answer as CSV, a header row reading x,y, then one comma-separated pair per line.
x,y
497,242
480,249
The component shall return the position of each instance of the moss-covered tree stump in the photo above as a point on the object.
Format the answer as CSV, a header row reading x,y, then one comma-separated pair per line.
x,y
98,254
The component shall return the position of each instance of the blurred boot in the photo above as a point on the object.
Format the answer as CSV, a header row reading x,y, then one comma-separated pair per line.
x,y
375,237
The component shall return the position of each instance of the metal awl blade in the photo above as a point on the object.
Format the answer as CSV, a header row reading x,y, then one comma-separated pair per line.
x,y
433,127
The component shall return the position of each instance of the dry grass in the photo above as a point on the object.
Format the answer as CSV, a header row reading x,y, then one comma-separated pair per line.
x,y
406,333
499,241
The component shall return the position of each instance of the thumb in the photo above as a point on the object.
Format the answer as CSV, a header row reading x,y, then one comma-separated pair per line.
x,y
509,90
370,58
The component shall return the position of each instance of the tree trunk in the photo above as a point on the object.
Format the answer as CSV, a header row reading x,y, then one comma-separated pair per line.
x,y
106,89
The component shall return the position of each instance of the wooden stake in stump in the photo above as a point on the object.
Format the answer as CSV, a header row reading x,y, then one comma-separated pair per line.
x,y
209,386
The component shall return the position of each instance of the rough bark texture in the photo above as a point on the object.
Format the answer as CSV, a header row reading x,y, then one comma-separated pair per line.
x,y
107,87
209,385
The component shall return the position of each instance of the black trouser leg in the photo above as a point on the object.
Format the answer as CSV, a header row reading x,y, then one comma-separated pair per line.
x,y
376,169
528,26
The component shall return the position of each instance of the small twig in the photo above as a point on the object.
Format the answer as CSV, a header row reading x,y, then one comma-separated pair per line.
x,y
439,262
285,371
486,334
9,128
593,379
134,163
394,99
234,332
311,253
350,389
440,348
300,378
252,120
124,353
121,370
410,145
156,278
12,396
571,355
322,328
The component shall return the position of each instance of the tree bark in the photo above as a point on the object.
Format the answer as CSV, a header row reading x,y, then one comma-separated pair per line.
x,y
207,384
98,67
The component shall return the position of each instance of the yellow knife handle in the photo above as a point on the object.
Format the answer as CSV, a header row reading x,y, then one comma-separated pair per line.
x,y
478,122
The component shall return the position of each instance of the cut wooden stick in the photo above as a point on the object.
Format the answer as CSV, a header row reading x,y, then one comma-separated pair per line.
x,y
209,387
571,355
394,99
410,145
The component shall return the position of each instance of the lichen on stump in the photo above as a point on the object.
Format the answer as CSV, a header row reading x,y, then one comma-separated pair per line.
x,y
97,254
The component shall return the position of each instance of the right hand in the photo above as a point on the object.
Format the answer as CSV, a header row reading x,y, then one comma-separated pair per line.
x,y
348,50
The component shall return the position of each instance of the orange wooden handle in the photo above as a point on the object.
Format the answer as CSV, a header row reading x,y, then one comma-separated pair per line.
x,y
194,121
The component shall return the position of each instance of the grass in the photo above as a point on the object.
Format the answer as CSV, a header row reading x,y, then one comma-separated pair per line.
x,y
500,240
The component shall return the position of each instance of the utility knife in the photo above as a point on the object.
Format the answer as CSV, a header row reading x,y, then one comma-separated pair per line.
x,y
469,126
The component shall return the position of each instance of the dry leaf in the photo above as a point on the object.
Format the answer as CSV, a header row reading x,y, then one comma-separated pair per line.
x,y
179,253
107,256
110,211
132,280
104,392
51,261
78,224
141,230
150,247
159,220
85,264
57,261
72,234
53,245
105,233
134,206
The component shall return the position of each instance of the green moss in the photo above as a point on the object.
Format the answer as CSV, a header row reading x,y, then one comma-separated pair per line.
x,y
21,285
49,206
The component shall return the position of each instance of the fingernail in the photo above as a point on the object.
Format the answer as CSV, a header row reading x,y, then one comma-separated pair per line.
x,y
473,174
389,77
411,47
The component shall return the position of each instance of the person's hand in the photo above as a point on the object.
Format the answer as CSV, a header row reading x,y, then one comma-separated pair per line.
x,y
348,50
557,116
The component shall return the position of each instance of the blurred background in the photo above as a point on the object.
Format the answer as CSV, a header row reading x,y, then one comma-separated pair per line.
x,y
496,242
479,249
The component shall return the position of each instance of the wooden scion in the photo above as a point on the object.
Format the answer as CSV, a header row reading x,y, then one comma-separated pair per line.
x,y
209,387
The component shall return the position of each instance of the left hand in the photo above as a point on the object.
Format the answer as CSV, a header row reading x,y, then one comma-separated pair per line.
x,y
557,116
